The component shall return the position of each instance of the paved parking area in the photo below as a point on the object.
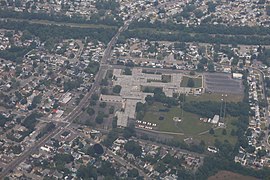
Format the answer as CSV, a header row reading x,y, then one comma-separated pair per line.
x,y
222,83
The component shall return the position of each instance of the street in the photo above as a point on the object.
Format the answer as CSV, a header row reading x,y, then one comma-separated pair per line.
x,y
83,103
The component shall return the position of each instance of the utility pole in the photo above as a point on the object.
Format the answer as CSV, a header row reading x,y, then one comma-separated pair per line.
x,y
221,109
224,113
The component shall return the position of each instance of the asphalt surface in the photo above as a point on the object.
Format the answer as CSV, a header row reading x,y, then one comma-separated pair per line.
x,y
222,83
83,103
73,115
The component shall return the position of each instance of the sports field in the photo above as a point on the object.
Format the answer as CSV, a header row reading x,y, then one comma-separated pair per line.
x,y
190,123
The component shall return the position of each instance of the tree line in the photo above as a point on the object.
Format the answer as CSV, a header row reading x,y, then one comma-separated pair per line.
x,y
96,18
45,32
203,28
157,35
211,108
16,53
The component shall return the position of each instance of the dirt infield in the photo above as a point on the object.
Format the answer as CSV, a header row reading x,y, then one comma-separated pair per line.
x,y
222,83
227,175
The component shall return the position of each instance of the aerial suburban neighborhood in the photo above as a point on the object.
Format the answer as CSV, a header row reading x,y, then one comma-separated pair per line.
x,y
125,89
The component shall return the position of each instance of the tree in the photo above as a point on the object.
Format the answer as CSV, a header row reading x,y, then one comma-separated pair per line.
x,y
132,173
198,13
114,122
65,158
23,101
111,110
224,132
104,90
161,167
149,99
190,82
268,10
99,119
211,131
117,89
133,148
211,67
104,82
103,104
94,97
106,169
90,111
211,7
200,67
127,71
36,100
87,172
129,132
192,73
93,103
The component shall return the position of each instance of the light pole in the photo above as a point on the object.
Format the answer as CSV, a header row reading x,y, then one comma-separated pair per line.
x,y
224,113
220,113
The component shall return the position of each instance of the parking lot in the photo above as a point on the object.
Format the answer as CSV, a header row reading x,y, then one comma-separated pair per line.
x,y
222,83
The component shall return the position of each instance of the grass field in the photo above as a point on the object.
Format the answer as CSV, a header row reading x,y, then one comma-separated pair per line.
x,y
210,139
190,125
215,97
47,22
227,175
197,82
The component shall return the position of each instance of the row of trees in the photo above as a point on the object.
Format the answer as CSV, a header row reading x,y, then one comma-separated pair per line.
x,y
107,4
210,108
159,96
46,32
203,28
152,35
95,18
90,172
16,53
49,127
31,120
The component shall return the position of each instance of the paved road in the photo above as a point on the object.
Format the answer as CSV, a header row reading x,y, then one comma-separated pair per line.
x,y
262,80
73,115
84,102
119,159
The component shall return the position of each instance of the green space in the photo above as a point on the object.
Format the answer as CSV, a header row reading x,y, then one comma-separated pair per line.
x,y
190,35
209,139
189,125
215,97
197,81
164,79
92,67
54,32
69,24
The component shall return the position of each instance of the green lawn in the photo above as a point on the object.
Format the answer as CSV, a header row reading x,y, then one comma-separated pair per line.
x,y
210,139
197,81
190,123
47,22
166,78
215,97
